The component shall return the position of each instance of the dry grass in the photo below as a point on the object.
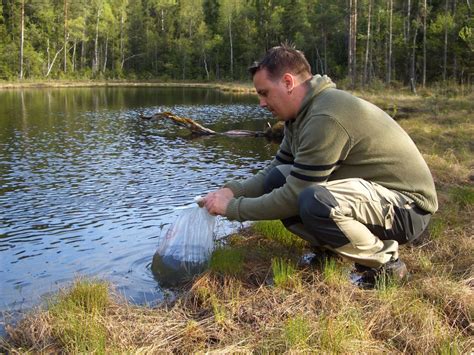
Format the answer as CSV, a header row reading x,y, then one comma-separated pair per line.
x,y
307,310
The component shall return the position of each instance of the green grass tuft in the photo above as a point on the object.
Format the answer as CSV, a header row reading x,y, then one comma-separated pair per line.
x,y
436,227
463,196
333,273
227,261
297,333
275,230
77,314
284,273
340,332
386,286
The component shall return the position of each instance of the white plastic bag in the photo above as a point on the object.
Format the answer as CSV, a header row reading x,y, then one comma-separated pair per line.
x,y
186,246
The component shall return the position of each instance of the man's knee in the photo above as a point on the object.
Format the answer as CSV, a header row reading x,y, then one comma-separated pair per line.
x,y
273,180
316,201
315,204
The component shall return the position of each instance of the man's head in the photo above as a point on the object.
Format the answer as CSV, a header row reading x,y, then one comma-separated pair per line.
x,y
280,60
278,78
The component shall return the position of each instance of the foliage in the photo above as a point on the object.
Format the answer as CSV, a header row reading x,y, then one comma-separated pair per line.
x,y
284,273
218,39
227,261
76,317
275,230
296,332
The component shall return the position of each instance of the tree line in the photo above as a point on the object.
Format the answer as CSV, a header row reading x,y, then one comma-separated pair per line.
x,y
361,41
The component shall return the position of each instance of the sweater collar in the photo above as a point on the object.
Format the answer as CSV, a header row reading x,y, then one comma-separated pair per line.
x,y
316,85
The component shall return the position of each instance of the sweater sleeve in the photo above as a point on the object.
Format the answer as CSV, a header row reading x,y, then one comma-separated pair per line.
x,y
253,186
323,145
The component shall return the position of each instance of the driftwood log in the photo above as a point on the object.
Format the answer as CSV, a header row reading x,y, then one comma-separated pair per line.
x,y
272,132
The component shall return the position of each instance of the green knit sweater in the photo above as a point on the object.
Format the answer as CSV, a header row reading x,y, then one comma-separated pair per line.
x,y
336,136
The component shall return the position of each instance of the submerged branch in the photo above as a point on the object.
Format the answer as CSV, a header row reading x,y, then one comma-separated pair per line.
x,y
196,128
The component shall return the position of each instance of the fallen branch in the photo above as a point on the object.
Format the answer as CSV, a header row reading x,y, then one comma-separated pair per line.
x,y
197,128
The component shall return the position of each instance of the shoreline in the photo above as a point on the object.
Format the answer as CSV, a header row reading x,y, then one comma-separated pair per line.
x,y
238,87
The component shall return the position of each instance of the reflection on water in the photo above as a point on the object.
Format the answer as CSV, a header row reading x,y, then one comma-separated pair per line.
x,y
86,188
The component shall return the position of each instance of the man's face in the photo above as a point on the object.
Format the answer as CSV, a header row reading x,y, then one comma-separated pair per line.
x,y
273,95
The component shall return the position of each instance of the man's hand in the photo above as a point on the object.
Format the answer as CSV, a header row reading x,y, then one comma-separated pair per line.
x,y
216,202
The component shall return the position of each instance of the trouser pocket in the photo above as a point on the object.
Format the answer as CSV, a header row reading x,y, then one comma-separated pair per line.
x,y
408,224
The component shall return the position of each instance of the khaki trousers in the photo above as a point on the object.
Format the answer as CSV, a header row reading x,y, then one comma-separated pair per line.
x,y
358,219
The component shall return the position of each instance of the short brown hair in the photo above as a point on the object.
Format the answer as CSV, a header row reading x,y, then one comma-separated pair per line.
x,y
281,59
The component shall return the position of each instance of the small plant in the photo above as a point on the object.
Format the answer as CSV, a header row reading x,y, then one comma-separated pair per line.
x,y
77,314
333,273
385,285
463,196
425,263
284,273
338,332
218,309
227,261
297,332
275,230
436,228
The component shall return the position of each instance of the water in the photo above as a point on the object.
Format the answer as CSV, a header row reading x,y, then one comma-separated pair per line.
x,y
87,188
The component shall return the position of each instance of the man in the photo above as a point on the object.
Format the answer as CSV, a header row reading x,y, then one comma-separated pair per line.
x,y
346,177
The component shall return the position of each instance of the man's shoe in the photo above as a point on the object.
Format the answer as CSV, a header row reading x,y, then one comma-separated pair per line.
x,y
366,277
316,258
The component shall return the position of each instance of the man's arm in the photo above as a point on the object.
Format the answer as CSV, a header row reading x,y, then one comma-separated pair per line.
x,y
217,201
324,144
253,186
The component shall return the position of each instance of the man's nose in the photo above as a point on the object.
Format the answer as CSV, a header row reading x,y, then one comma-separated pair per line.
x,y
263,103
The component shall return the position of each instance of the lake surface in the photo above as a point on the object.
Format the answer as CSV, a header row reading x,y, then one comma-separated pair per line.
x,y
87,188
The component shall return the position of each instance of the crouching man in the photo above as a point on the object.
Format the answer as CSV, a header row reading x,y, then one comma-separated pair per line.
x,y
346,178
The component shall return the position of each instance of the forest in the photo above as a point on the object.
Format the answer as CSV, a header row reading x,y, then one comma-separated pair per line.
x,y
359,42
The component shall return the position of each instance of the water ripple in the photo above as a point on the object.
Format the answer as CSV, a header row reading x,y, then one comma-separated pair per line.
x,y
89,188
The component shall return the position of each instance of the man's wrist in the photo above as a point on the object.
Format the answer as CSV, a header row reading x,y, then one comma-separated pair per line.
x,y
236,188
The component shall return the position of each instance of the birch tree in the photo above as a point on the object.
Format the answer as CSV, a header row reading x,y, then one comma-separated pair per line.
x,y
352,41
22,35
390,38
367,44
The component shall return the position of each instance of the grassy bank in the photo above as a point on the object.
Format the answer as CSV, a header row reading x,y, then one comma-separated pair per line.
x,y
238,87
254,298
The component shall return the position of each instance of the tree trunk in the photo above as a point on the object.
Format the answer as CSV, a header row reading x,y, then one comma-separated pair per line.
x,y
390,35
445,50
74,56
22,35
367,46
162,20
47,53
325,48
54,60
425,14
205,64
122,52
413,56
83,44
352,40
105,52
231,49
408,37
455,61
95,62
65,37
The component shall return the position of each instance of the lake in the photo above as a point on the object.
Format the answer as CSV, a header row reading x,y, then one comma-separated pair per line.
x,y
87,188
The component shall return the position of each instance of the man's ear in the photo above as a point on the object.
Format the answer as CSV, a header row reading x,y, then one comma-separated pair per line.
x,y
288,81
